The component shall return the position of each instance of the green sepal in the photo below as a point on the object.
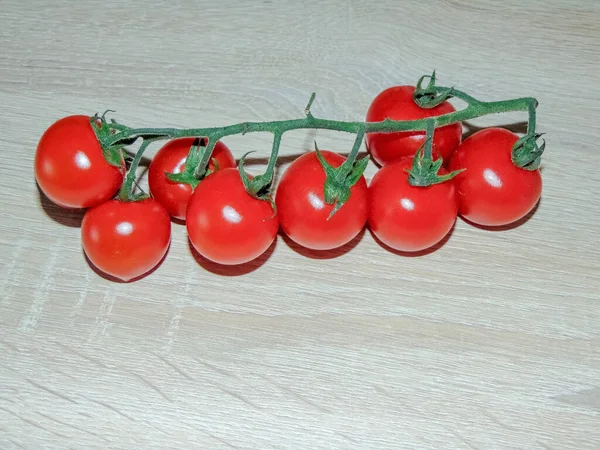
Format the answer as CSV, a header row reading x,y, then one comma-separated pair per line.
x,y
183,177
114,155
429,96
425,171
526,153
194,157
339,181
258,187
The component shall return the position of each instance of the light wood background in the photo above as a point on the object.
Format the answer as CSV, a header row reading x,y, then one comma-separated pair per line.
x,y
490,342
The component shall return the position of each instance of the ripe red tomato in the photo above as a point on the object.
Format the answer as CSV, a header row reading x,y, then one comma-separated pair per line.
x,y
492,191
171,158
396,103
126,239
70,167
225,224
410,218
303,213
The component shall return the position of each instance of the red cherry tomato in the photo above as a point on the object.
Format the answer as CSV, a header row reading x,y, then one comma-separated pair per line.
x,y
492,191
126,239
70,167
171,158
225,224
396,103
303,213
410,218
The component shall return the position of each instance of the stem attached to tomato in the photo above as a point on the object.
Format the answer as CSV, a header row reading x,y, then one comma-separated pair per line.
x,y
526,153
126,193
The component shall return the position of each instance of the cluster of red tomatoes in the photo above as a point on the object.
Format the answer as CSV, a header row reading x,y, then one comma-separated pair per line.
x,y
225,224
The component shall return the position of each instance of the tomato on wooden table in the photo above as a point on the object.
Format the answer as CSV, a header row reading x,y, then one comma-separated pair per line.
x,y
171,158
410,218
227,225
70,167
492,191
126,239
396,103
303,212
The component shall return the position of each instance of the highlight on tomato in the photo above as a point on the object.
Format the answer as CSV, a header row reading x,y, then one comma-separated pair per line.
x,y
396,103
410,218
70,167
126,239
305,216
171,158
227,225
492,190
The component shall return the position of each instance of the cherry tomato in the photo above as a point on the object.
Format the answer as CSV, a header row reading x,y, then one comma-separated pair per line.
x,y
410,218
492,191
396,103
303,213
70,167
225,224
126,239
171,158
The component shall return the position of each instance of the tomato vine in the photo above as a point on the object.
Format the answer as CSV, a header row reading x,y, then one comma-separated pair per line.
x,y
490,178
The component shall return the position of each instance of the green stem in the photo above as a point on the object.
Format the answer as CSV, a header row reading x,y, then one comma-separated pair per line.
x,y
128,186
202,166
474,110
360,134
428,154
274,153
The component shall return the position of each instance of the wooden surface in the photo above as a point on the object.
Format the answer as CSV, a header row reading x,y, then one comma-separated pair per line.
x,y
490,342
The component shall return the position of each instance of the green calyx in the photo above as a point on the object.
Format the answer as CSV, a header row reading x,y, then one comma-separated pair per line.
x,y
113,153
425,170
339,180
430,96
194,168
527,153
259,187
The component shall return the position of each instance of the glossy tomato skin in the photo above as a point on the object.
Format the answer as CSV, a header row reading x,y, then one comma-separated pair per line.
x,y
225,224
410,218
171,158
396,103
492,191
126,239
302,209
70,167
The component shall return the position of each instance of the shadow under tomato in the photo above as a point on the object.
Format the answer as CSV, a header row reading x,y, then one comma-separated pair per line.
x,y
419,253
234,270
118,280
323,254
70,217
509,226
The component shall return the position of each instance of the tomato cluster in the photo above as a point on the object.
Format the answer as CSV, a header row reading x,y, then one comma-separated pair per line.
x,y
126,238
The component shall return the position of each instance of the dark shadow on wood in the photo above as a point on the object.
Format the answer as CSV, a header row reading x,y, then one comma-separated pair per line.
x,y
70,217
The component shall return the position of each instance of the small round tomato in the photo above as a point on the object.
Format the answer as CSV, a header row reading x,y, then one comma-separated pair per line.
x,y
492,191
70,167
396,103
303,213
171,158
225,224
126,239
410,218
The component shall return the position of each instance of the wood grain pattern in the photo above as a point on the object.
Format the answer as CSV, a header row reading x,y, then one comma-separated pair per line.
x,y
490,342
